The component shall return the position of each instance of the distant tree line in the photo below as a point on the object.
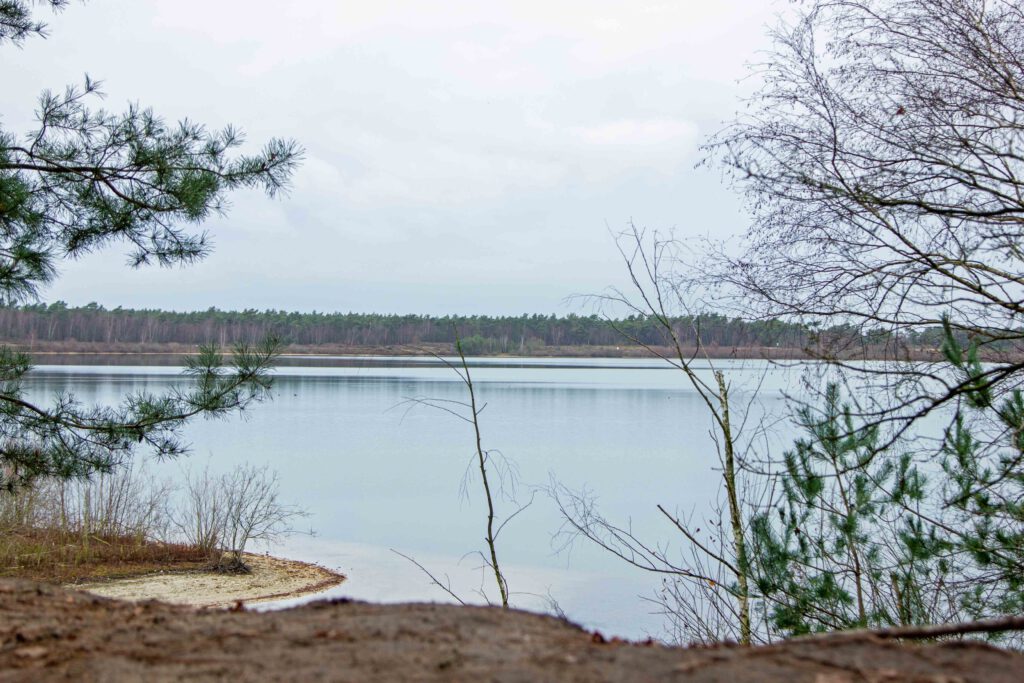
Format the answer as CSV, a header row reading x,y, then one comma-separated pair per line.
x,y
58,322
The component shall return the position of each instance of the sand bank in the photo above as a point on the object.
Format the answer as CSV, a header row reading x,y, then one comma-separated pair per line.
x,y
271,579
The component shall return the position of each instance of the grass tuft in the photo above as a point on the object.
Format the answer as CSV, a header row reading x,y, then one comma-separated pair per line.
x,y
56,556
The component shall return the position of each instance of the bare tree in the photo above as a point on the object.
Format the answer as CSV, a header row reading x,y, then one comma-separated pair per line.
x,y
222,515
707,590
882,163
486,461
128,502
253,512
199,517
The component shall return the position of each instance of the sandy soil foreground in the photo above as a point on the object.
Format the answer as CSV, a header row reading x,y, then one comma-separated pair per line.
x,y
51,634
271,579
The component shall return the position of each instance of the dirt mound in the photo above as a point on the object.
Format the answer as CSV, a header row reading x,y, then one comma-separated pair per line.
x,y
48,633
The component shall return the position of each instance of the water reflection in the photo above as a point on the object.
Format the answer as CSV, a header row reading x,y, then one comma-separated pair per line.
x,y
377,473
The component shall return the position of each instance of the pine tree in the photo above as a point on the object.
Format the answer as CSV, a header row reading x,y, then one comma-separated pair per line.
x,y
85,179
876,532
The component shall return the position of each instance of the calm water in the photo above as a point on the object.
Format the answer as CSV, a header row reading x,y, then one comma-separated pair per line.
x,y
377,473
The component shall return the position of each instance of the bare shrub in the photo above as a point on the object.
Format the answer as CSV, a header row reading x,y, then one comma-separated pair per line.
x,y
198,514
127,502
69,531
21,509
252,511
209,516
223,515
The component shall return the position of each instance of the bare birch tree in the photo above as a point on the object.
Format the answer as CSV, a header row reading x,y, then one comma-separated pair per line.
x,y
706,591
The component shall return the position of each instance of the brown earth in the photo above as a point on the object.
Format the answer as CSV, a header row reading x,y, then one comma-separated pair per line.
x,y
171,353
48,633
72,352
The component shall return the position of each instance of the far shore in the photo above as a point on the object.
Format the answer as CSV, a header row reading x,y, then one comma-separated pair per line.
x,y
171,354
271,578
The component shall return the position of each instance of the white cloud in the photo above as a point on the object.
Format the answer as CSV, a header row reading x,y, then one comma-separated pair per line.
x,y
447,142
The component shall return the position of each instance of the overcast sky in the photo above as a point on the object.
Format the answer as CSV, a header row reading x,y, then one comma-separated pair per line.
x,y
461,157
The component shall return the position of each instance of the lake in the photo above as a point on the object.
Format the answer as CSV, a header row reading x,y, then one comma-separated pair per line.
x,y
380,474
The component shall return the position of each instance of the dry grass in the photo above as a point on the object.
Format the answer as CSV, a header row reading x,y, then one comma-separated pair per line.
x,y
102,528
56,556
128,523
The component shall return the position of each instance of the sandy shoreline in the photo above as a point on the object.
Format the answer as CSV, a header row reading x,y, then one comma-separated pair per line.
x,y
272,578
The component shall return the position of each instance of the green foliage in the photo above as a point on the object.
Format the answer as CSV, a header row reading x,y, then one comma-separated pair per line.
x,y
85,179
984,492
975,387
821,565
82,180
476,345
500,334
70,440
497,334
17,22
866,157
862,537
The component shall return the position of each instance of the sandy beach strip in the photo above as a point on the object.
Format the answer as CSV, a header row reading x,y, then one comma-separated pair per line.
x,y
272,578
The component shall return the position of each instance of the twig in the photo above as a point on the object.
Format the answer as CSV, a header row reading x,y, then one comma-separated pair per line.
x,y
433,578
482,460
994,625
